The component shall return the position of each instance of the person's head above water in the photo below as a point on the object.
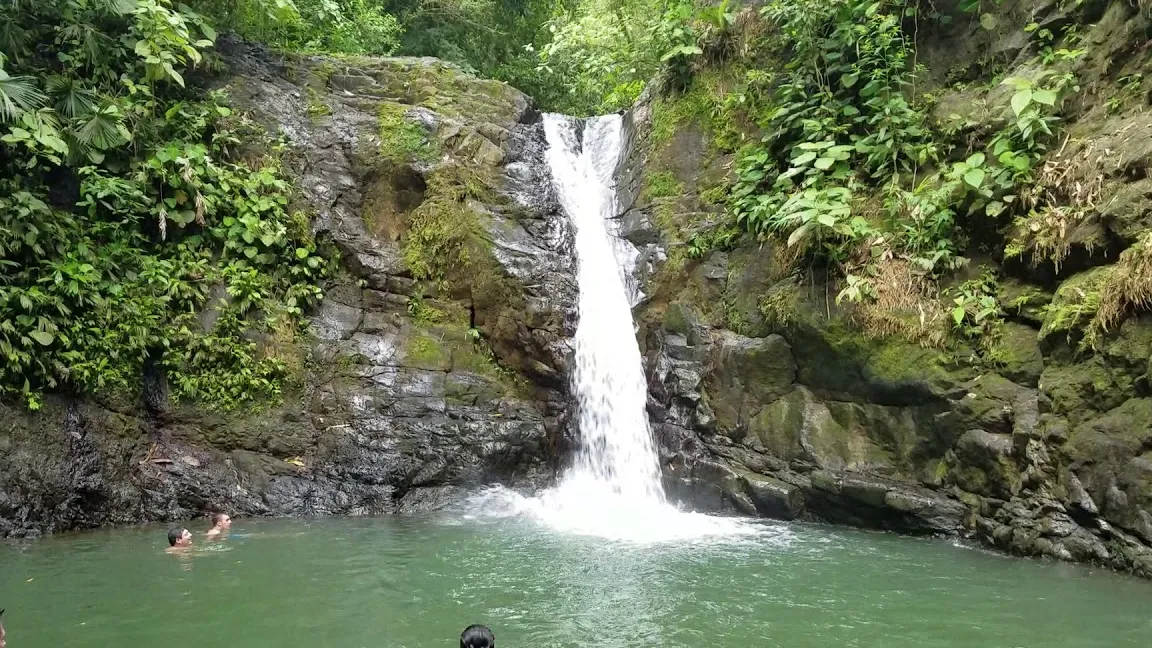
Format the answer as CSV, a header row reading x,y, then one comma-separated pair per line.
x,y
179,537
477,636
221,521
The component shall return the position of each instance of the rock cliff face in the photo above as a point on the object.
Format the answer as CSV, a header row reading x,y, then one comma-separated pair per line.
x,y
769,398
407,390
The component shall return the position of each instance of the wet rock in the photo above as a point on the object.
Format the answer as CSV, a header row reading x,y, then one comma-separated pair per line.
x,y
774,498
393,413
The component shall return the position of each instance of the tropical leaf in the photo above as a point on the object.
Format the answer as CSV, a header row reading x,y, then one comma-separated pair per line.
x,y
17,95
102,130
118,7
13,40
70,96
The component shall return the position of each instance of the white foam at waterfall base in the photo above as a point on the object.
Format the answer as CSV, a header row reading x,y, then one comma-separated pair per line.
x,y
613,488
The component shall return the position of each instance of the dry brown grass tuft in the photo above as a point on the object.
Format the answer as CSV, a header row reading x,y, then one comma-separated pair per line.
x,y
749,27
1128,287
902,303
1066,192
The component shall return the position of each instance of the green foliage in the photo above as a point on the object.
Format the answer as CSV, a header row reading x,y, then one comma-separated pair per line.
x,y
841,137
422,313
492,38
840,123
125,213
598,58
662,184
332,26
976,313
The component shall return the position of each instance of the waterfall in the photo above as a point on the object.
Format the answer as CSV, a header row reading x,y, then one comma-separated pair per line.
x,y
616,452
612,488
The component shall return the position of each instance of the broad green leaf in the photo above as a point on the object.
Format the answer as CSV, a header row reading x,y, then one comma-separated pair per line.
x,y
798,234
849,80
42,337
976,159
1046,97
974,177
1020,100
989,22
805,158
824,163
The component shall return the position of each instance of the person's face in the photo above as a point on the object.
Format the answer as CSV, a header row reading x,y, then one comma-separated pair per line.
x,y
185,538
225,522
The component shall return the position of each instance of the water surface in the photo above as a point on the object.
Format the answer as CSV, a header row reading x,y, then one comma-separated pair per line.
x,y
415,582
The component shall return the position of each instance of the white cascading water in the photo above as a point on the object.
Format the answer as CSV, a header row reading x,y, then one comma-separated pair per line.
x,y
616,453
613,488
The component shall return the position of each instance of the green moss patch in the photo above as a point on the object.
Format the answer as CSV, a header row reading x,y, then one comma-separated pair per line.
x,y
1075,302
662,184
401,139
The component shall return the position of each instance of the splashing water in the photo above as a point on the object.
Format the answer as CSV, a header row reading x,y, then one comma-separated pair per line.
x,y
613,488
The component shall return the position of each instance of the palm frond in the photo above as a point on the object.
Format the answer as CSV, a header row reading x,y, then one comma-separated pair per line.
x,y
117,7
70,96
91,44
13,38
102,130
18,94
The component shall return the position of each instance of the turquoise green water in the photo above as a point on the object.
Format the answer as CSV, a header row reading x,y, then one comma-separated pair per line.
x,y
415,582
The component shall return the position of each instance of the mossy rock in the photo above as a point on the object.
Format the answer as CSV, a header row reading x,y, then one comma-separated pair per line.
x,y
746,372
985,465
800,427
1092,385
1016,354
444,88
837,358
1023,301
1074,304
427,351
752,271
401,138
1112,455
1117,435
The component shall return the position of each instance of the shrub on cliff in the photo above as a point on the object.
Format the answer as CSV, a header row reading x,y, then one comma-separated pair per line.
x,y
138,227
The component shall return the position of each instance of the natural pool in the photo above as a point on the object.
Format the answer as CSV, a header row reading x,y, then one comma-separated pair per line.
x,y
415,582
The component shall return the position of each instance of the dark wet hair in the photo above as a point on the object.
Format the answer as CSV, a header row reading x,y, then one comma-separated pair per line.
x,y
216,517
174,536
477,636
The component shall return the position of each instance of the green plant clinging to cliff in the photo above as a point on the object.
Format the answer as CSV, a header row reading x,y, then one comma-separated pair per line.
x,y
126,211
847,169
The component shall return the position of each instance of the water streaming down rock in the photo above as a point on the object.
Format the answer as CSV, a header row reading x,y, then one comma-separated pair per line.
x,y
612,488
616,453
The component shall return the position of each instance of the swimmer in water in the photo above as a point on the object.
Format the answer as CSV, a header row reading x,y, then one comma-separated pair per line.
x,y
2,633
179,539
220,524
477,636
